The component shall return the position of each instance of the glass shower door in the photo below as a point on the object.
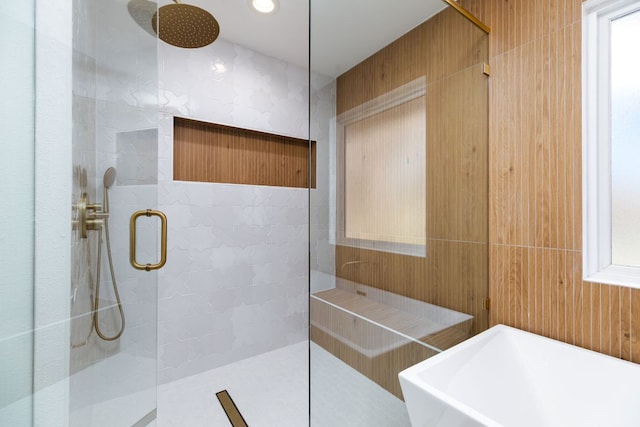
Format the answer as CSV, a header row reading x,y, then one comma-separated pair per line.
x,y
78,324
113,313
16,216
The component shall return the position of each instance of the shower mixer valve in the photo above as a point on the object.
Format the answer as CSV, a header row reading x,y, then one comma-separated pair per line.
x,y
88,216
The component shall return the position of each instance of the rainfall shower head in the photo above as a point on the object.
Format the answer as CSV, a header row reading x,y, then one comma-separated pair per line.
x,y
184,25
108,180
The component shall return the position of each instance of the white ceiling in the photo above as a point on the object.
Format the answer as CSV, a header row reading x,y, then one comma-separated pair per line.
x,y
343,32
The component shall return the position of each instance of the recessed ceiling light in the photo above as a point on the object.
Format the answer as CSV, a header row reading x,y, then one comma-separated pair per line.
x,y
265,6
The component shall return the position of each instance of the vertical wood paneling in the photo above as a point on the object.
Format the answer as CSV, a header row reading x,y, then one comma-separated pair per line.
x,y
537,271
635,326
535,182
615,328
563,135
496,289
596,314
554,143
606,308
520,294
447,50
530,273
527,148
542,142
514,167
578,297
587,315
208,152
457,170
574,123
440,47
625,322
497,206
535,210
574,274
511,192
557,295
546,269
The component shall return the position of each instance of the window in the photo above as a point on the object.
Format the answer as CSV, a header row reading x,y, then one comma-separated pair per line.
x,y
382,172
625,141
611,142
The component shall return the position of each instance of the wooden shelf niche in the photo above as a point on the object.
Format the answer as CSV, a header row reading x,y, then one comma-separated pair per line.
x,y
209,152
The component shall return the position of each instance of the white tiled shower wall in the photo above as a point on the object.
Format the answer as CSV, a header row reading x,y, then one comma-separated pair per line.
x,y
235,284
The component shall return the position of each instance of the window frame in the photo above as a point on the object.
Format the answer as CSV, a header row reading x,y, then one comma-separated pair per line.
x,y
596,143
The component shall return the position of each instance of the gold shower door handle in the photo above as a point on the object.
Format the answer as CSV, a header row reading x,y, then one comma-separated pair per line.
x,y
133,231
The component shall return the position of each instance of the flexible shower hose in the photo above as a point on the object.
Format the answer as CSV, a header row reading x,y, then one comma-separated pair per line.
x,y
96,305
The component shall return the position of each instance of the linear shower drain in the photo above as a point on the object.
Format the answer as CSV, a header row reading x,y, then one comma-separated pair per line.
x,y
230,408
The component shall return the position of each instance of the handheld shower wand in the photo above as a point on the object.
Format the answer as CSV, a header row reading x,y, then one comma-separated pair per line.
x,y
107,181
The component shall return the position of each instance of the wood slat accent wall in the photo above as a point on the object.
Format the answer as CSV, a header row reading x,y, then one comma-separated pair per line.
x,y
535,183
448,50
209,152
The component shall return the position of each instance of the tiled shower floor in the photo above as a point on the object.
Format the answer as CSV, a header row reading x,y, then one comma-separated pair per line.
x,y
271,390
257,386
117,391
341,396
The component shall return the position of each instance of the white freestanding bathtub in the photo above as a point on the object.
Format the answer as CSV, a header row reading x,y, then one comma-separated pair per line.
x,y
508,377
